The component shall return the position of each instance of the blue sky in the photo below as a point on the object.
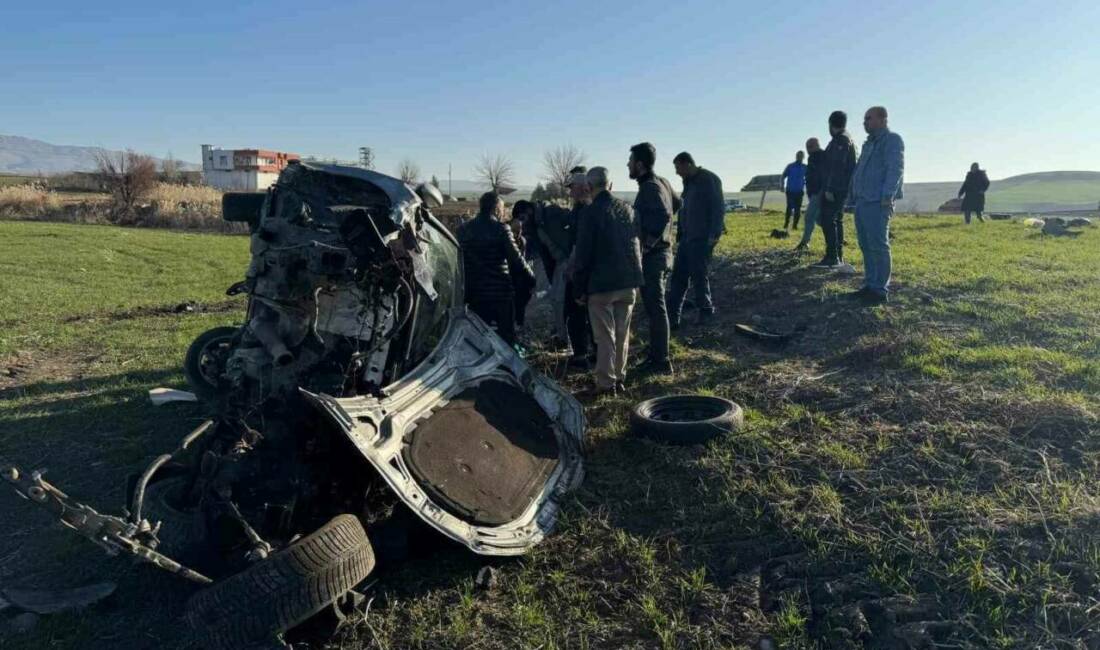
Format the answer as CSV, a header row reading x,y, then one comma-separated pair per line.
x,y
740,85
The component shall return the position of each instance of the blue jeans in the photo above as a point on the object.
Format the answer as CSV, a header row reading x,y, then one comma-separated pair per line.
x,y
813,209
873,234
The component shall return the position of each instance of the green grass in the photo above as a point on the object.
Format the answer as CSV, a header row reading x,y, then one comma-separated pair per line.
x,y
1041,190
931,461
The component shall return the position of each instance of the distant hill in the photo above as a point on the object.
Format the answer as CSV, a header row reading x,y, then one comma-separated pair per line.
x,y
19,155
1038,192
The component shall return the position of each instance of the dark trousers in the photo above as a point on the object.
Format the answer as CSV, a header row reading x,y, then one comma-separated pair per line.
x,y
576,323
832,226
655,266
523,290
692,264
500,313
794,207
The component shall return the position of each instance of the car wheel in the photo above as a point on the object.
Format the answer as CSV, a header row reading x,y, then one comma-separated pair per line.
x,y
180,529
205,361
283,590
685,419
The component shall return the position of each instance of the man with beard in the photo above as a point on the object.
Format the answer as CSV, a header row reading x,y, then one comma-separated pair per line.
x,y
653,209
839,163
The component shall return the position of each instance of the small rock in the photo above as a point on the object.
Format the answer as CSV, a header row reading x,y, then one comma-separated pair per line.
x,y
765,644
25,622
486,579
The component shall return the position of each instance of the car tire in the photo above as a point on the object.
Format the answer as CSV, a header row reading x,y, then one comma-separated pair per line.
x,y
205,360
180,530
283,590
685,419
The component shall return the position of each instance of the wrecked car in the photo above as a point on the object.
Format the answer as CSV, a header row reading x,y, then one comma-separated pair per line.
x,y
357,370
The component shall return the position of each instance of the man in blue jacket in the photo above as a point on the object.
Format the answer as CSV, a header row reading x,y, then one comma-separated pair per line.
x,y
795,177
876,185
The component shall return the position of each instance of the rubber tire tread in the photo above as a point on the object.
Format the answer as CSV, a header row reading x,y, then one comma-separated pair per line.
x,y
191,369
277,593
180,531
730,419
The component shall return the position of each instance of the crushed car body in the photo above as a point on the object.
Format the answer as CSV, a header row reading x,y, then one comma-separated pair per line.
x,y
357,366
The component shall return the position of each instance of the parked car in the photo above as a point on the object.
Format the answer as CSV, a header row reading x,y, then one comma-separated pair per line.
x,y
358,387
733,205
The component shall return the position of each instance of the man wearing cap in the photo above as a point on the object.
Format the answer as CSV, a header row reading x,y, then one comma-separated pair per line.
x,y
700,224
653,209
608,270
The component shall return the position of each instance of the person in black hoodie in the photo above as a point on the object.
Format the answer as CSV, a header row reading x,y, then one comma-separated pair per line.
x,y
839,163
973,192
491,259
814,182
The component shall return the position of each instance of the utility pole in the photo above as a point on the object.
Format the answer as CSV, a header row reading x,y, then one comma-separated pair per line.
x,y
366,158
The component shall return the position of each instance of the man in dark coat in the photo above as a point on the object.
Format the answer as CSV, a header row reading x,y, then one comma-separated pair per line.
x,y
973,192
838,166
700,224
654,206
608,271
490,258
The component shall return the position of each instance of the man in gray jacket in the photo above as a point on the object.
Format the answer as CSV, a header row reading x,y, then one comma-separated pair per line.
x,y
607,271
653,209
700,225
876,184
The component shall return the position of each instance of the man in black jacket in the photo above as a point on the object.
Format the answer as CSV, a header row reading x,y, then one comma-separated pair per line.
x,y
490,258
973,192
653,209
700,225
608,271
839,163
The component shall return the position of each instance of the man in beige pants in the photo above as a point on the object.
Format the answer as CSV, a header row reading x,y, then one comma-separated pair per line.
x,y
608,271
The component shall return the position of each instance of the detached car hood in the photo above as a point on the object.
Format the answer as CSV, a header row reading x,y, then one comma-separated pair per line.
x,y
474,441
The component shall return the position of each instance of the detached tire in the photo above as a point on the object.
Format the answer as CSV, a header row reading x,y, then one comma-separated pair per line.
x,y
205,360
180,530
276,594
685,419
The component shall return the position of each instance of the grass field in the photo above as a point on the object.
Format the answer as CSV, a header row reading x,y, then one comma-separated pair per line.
x,y
916,473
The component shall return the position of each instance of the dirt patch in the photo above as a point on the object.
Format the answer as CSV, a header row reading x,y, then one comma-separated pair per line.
x,y
149,311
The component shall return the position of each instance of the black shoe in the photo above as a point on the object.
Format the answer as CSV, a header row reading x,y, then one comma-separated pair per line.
x,y
855,295
674,326
620,387
875,298
825,263
704,317
594,392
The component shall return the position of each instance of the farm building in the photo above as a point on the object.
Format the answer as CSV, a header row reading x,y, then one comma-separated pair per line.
x,y
242,169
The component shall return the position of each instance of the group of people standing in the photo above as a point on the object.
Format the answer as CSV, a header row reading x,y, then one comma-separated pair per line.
x,y
602,253
600,256
835,180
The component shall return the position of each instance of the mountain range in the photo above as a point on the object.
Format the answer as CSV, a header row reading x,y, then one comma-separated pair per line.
x,y
19,155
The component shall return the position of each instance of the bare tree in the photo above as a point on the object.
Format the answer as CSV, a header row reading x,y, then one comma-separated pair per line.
x,y
128,177
496,171
556,164
408,171
170,169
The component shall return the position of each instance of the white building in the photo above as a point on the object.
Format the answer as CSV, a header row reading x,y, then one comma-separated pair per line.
x,y
242,170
